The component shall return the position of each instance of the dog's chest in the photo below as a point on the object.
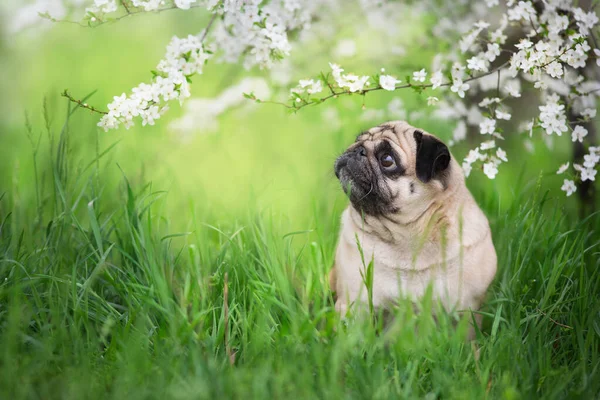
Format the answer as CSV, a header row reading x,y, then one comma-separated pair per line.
x,y
398,271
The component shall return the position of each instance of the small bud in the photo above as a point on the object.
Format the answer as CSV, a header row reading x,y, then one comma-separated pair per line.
x,y
93,19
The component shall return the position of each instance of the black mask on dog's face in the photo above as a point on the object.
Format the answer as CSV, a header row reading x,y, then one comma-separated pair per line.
x,y
378,180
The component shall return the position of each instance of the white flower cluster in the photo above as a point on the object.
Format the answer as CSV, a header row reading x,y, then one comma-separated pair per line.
x,y
354,83
342,82
101,7
551,61
185,58
250,29
257,31
552,116
309,86
550,56
489,155
388,82
585,172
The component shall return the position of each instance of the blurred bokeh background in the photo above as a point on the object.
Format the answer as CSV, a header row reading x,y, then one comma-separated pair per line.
x,y
247,159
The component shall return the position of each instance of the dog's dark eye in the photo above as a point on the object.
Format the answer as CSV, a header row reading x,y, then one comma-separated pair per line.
x,y
387,161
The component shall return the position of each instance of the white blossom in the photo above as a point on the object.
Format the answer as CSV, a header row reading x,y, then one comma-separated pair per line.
x,y
352,82
552,116
436,79
477,64
579,133
473,156
588,174
498,36
568,187
562,168
585,21
490,169
501,154
419,76
488,101
459,87
512,89
503,115
524,44
355,83
102,6
523,11
554,69
490,144
493,51
185,57
184,4
488,126
554,45
388,82
590,160
466,169
432,100
589,113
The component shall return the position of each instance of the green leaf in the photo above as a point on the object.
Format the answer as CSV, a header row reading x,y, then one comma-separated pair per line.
x,y
174,235
496,322
95,227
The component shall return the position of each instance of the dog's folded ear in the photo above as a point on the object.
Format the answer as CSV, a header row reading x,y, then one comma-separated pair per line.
x,y
433,157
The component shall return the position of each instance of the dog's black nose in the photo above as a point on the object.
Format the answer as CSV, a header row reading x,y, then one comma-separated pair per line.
x,y
361,151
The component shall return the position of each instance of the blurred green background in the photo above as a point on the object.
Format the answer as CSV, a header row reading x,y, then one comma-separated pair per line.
x,y
261,158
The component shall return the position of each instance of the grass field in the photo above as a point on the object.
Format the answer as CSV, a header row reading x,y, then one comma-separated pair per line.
x,y
132,266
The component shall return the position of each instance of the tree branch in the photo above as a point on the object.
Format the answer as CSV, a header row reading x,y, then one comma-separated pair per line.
x,y
363,92
81,104
93,109
129,13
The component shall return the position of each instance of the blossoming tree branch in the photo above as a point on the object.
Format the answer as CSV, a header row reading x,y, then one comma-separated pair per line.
x,y
492,53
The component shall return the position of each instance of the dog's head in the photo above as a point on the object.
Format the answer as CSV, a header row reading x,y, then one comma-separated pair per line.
x,y
395,168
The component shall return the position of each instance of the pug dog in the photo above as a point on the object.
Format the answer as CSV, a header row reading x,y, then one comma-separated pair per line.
x,y
412,215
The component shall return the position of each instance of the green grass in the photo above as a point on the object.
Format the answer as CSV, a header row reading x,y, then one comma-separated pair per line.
x,y
102,297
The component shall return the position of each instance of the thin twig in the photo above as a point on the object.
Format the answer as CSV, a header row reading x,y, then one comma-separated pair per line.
x,y
124,3
590,92
212,19
82,104
362,92
93,109
556,322
128,13
408,85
